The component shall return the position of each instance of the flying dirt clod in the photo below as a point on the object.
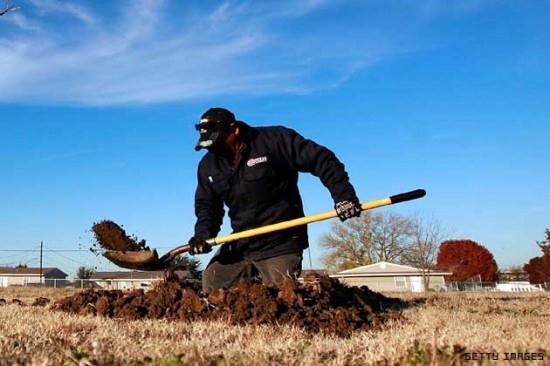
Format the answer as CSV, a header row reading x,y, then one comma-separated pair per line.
x,y
110,236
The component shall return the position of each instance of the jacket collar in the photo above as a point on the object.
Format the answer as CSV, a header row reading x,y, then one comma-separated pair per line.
x,y
247,134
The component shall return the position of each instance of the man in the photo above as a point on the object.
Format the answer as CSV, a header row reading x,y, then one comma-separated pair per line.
x,y
254,172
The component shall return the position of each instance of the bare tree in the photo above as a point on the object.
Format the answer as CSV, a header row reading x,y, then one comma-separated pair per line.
x,y
545,244
7,8
515,273
427,234
372,238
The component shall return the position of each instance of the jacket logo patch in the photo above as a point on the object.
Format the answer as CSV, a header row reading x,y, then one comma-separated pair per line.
x,y
254,161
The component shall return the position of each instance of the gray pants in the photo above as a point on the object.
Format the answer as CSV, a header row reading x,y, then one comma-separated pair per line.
x,y
224,271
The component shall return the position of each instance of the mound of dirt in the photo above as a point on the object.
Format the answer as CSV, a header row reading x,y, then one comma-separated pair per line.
x,y
110,236
323,306
41,301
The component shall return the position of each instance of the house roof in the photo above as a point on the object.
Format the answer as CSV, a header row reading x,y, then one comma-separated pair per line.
x,y
29,271
134,275
382,269
314,271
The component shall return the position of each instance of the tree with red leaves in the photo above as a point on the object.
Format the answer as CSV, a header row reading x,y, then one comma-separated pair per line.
x,y
538,268
466,259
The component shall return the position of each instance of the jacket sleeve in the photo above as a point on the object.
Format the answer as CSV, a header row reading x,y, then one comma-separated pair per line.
x,y
208,209
307,156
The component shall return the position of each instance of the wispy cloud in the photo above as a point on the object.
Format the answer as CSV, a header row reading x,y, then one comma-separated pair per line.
x,y
22,22
66,7
153,51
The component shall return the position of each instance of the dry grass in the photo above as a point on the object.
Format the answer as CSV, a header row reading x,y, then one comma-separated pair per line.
x,y
28,294
473,322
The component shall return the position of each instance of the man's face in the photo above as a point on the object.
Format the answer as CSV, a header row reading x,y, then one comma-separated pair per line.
x,y
226,142
214,126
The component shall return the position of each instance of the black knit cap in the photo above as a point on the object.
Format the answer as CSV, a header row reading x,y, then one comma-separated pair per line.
x,y
212,125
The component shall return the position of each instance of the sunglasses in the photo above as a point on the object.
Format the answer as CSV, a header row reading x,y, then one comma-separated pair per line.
x,y
205,126
210,126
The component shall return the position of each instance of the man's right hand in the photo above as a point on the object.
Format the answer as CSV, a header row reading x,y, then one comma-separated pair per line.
x,y
198,245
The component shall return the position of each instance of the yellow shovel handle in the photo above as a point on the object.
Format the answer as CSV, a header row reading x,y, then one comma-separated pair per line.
x,y
418,193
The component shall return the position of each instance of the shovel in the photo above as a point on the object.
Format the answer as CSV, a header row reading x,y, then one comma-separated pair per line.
x,y
148,260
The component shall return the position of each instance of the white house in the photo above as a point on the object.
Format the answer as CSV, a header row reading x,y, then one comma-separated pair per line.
x,y
25,276
122,280
385,276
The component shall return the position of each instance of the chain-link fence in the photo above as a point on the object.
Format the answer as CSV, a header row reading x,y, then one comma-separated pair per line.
x,y
509,286
115,284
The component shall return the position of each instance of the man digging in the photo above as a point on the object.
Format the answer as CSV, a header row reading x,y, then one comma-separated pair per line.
x,y
254,172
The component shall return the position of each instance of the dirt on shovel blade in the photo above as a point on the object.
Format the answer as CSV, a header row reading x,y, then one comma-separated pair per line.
x,y
110,236
324,306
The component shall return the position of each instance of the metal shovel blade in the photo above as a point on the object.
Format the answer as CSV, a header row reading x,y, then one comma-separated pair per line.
x,y
146,260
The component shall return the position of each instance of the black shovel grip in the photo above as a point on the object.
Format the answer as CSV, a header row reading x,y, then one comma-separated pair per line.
x,y
407,196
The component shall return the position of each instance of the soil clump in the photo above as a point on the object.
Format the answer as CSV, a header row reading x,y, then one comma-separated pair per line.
x,y
324,305
110,236
41,301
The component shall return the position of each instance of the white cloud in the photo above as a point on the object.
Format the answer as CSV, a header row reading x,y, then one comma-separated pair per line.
x,y
145,54
67,7
22,22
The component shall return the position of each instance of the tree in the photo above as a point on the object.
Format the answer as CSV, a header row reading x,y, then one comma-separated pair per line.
x,y
84,273
466,259
538,268
186,263
515,273
369,239
426,236
545,244
8,8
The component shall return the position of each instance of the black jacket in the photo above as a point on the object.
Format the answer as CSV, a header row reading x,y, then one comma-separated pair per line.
x,y
261,188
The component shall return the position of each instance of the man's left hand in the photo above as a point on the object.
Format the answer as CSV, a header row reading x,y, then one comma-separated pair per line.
x,y
347,209
198,245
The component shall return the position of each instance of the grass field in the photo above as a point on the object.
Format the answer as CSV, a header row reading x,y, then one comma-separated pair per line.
x,y
446,329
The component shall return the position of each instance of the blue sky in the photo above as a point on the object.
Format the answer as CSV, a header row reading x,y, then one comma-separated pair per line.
x,y
98,102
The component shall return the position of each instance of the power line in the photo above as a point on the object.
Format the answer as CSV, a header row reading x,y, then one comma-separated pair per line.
x,y
12,256
58,262
71,259
45,250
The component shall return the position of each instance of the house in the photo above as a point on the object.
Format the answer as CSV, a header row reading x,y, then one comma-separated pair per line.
x,y
122,280
385,276
29,276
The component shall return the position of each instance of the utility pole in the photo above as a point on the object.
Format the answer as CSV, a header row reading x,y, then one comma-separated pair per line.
x,y
309,253
41,245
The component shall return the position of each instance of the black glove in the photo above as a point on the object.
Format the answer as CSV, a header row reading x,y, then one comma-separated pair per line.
x,y
347,209
198,245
